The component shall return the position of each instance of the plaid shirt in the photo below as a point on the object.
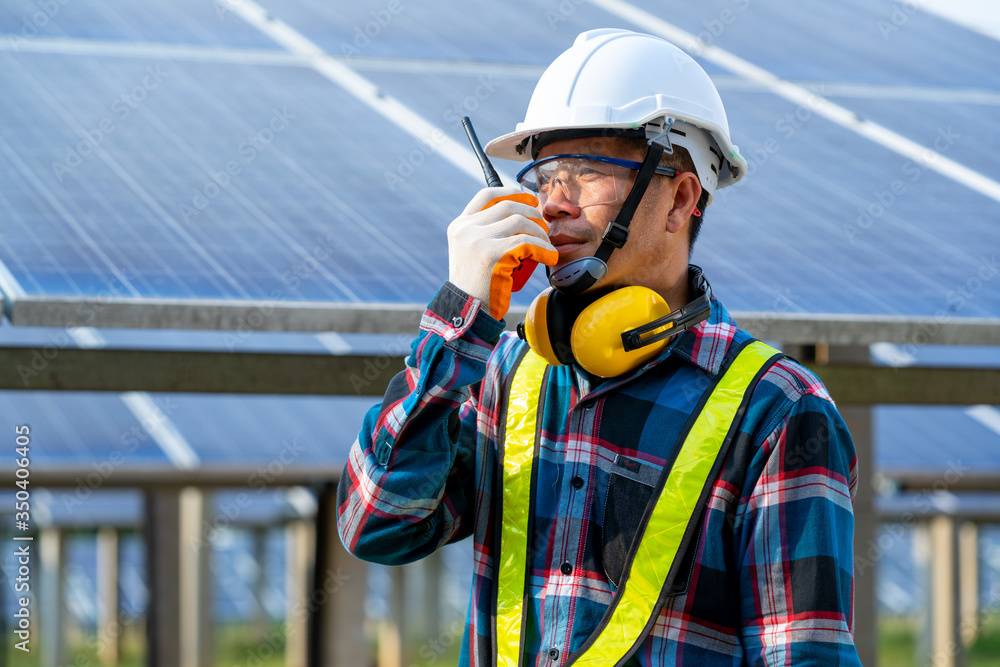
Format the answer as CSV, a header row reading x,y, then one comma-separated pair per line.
x,y
770,579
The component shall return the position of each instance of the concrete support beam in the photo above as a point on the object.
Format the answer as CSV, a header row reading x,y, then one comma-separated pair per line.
x,y
352,375
260,620
827,361
430,597
196,503
943,616
221,315
108,633
299,553
393,631
51,608
968,574
337,622
179,621
859,422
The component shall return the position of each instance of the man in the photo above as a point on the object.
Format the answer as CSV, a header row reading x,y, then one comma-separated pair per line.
x,y
646,486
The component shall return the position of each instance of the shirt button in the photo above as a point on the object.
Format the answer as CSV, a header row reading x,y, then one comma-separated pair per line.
x,y
553,654
566,568
457,321
577,482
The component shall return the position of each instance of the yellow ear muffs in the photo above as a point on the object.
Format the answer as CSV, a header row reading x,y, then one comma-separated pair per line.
x,y
596,337
547,328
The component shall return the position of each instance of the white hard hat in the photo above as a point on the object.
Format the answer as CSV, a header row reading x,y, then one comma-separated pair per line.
x,y
620,79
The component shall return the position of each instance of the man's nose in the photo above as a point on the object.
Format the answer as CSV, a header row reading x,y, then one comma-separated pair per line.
x,y
558,204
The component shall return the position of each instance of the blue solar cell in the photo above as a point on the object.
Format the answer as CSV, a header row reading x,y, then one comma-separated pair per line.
x,y
268,432
308,216
70,428
533,32
853,41
807,221
80,580
931,439
234,570
966,133
246,506
162,21
900,589
65,508
956,355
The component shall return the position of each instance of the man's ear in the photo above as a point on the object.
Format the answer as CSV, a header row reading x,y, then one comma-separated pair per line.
x,y
687,190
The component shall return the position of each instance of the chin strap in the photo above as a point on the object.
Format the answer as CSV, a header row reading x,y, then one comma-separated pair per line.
x,y
580,274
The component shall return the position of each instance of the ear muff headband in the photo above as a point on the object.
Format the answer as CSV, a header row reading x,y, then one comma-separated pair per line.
x,y
560,314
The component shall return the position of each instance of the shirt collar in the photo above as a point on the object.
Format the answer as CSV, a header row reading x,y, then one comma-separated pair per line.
x,y
707,343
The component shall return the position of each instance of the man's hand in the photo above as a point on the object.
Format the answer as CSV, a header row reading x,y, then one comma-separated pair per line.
x,y
497,231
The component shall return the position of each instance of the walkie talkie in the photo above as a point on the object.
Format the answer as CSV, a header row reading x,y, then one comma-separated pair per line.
x,y
524,270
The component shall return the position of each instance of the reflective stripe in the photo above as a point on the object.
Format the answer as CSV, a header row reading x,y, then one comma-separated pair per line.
x,y
518,455
637,599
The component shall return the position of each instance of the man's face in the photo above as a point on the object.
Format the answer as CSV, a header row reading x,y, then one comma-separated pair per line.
x,y
576,230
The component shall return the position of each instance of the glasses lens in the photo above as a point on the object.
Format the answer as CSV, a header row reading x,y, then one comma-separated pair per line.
x,y
581,181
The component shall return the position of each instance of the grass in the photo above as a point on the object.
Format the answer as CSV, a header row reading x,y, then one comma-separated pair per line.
x,y
986,650
897,643
235,646
238,645
83,652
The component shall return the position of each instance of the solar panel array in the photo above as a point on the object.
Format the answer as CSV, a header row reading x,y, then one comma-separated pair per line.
x,y
202,151
175,150
207,150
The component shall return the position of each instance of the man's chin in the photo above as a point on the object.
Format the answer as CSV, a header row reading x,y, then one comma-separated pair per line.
x,y
566,257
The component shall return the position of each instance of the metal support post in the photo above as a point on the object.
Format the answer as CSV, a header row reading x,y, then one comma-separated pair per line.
x,y
179,622
944,629
299,551
51,609
336,602
108,627
968,573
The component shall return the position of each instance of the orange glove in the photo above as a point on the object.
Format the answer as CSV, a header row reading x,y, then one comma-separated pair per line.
x,y
499,231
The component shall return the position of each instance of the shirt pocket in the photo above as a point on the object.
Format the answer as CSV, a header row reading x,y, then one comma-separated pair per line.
x,y
631,487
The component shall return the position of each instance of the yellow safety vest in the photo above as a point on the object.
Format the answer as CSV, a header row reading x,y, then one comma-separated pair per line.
x,y
682,495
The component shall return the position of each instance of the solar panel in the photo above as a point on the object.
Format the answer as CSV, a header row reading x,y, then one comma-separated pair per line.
x,y
70,429
286,220
526,33
108,440
182,22
841,42
177,153
933,439
961,125
327,202
193,164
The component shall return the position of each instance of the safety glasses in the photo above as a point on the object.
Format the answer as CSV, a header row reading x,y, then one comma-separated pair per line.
x,y
584,180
